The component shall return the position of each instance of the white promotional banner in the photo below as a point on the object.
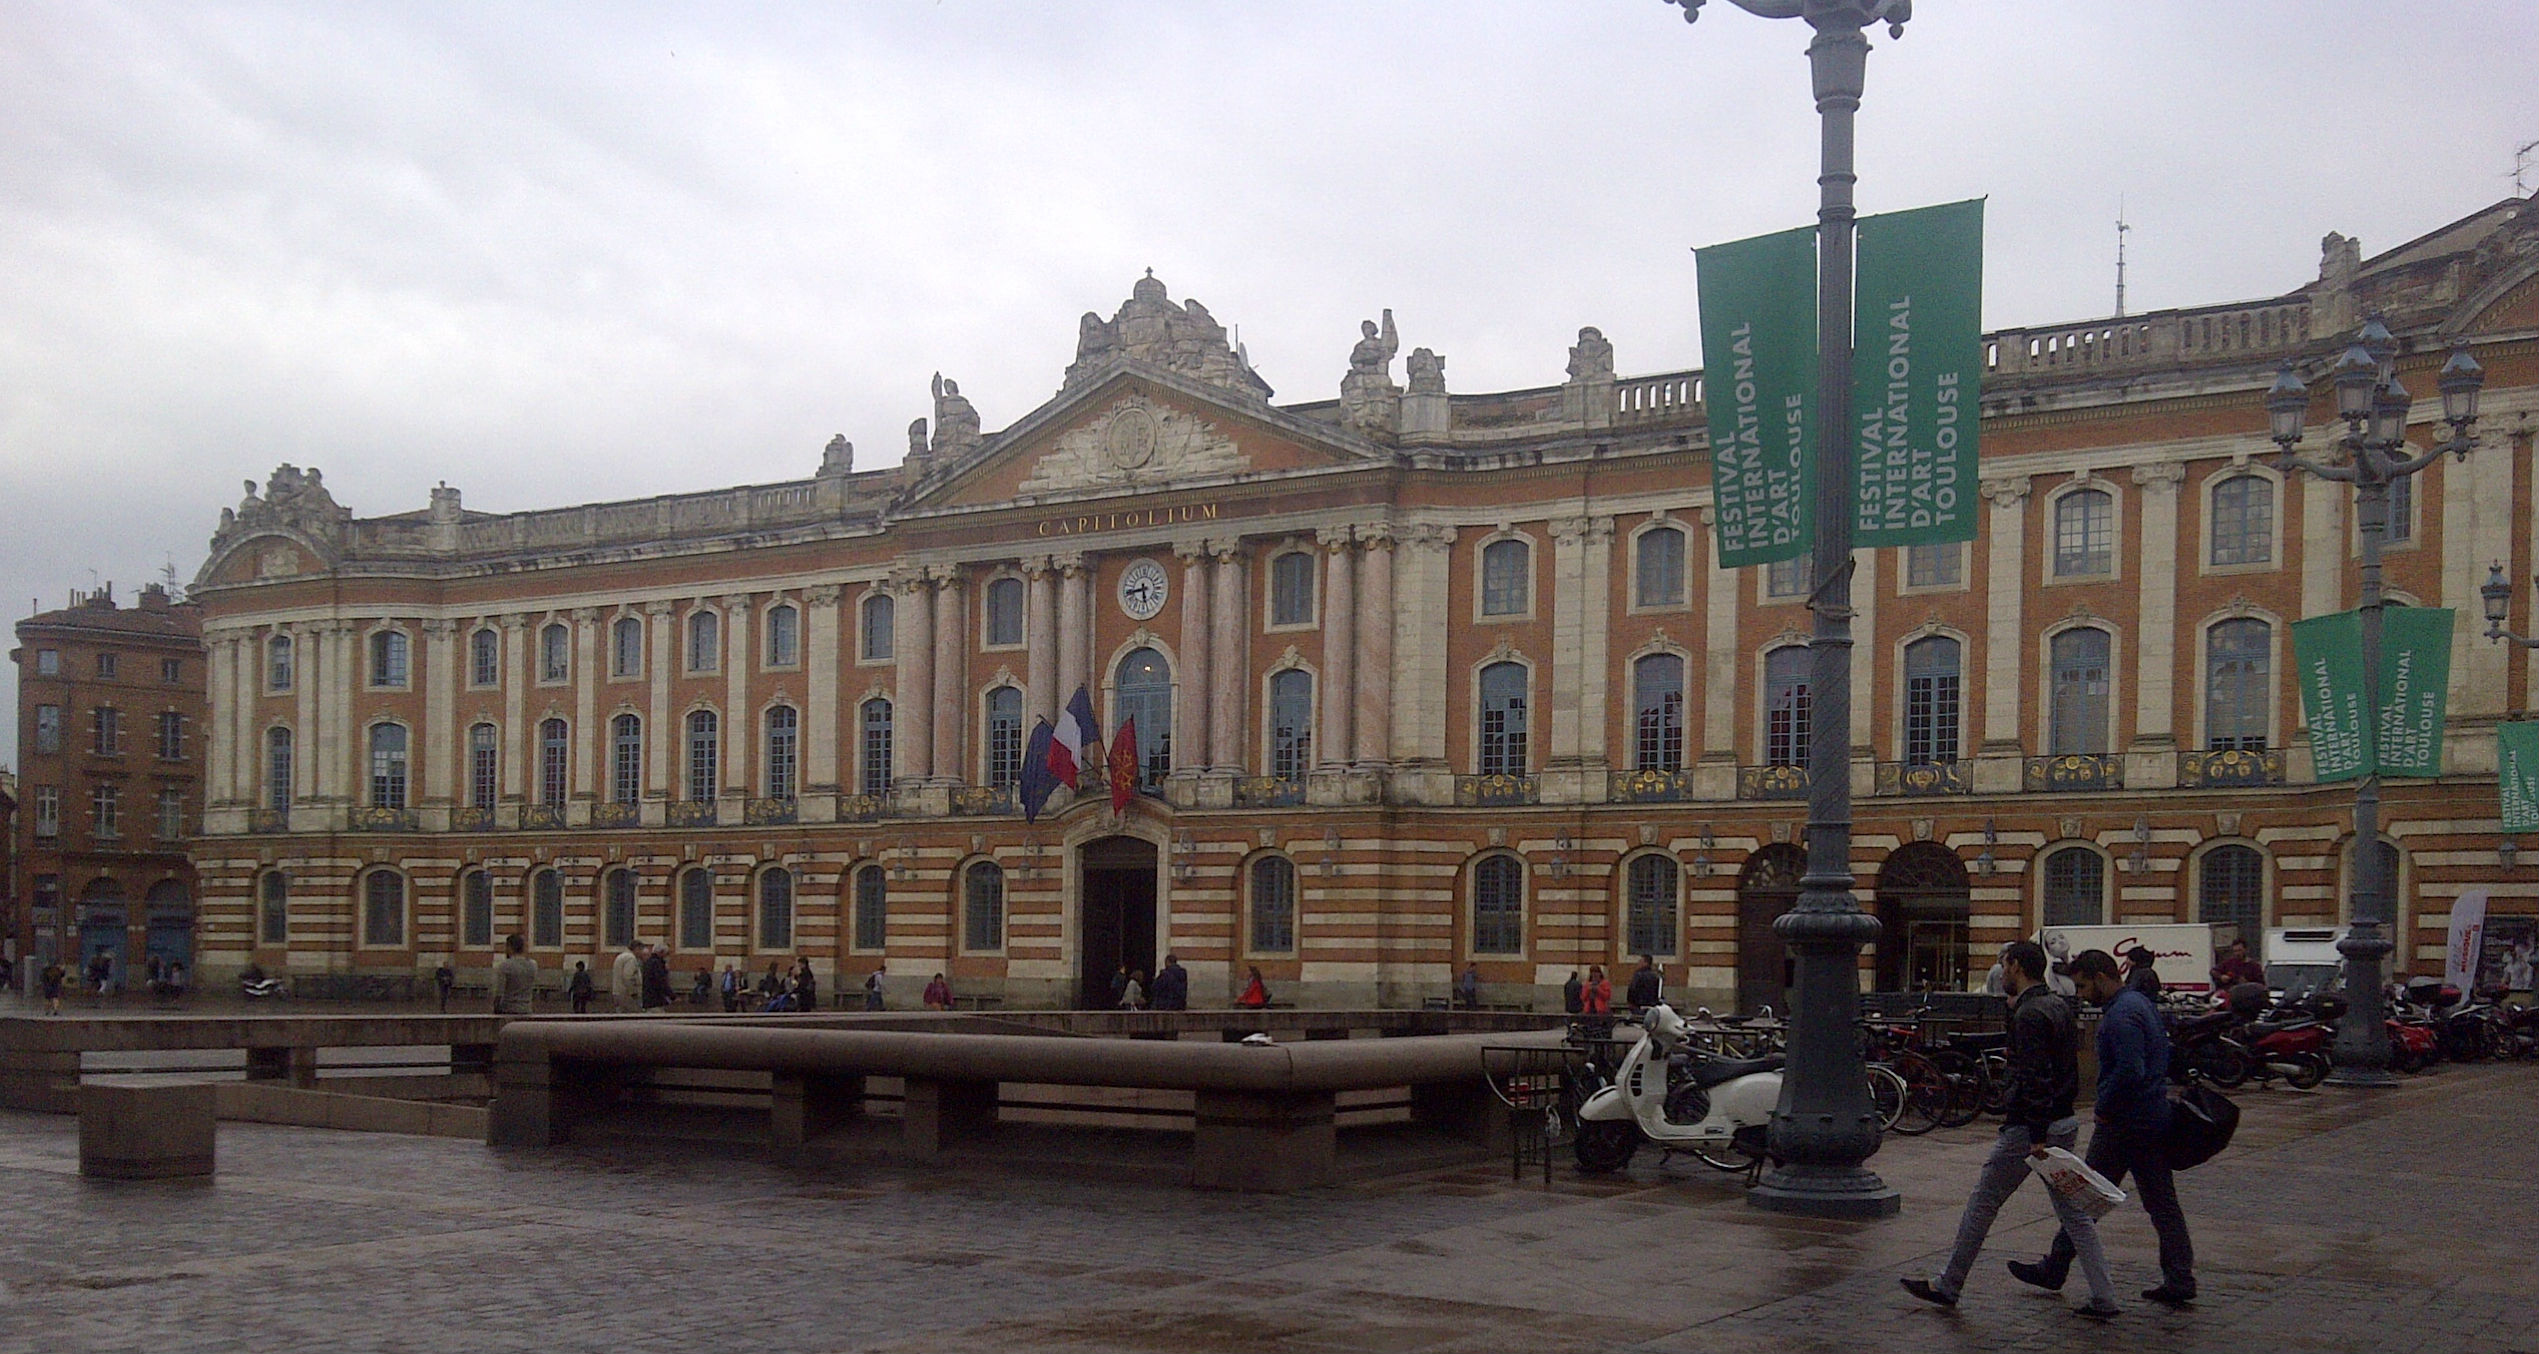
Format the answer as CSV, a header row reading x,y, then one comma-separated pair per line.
x,y
2468,936
2181,952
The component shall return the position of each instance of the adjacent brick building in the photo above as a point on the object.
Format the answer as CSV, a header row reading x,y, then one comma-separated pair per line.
x,y
110,784
1422,678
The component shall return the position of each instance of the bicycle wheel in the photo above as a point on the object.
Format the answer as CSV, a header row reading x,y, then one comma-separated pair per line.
x,y
1996,1066
1965,1087
1926,1094
1886,1094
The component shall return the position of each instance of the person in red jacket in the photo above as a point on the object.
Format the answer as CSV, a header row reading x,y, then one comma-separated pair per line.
x,y
1598,994
1255,993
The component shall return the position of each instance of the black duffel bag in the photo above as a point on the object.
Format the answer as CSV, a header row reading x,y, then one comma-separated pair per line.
x,y
2201,1122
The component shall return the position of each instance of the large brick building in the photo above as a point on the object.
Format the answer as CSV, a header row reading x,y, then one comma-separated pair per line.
x,y
1420,678
110,744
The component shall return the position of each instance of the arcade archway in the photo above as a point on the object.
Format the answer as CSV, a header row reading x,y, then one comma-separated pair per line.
x,y
1766,888
1922,906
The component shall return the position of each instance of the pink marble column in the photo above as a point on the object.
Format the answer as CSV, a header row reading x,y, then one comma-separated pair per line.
x,y
912,651
1231,675
1375,646
1339,649
1191,691
951,687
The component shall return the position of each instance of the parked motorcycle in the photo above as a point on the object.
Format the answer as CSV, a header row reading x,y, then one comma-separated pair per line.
x,y
2201,1046
2290,1042
1715,1109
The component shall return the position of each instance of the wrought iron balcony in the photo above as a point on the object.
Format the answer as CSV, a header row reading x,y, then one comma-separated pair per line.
x,y
982,801
1923,778
2234,767
2075,771
471,820
268,821
694,813
1649,787
1771,782
541,817
1495,790
371,818
1268,792
765,811
617,815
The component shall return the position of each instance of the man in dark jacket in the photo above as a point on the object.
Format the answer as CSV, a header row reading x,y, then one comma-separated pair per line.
x,y
656,980
2133,1120
2044,1081
1648,988
1172,986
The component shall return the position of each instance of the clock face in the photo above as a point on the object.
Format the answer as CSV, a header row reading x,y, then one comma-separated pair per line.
x,y
1143,588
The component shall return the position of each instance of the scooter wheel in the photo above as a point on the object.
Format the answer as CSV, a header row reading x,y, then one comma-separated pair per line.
x,y
1604,1146
2304,1070
1725,1156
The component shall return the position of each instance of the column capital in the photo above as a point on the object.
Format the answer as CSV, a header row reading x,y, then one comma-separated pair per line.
x,y
1591,530
822,594
1037,566
1425,535
1190,549
1335,539
1226,549
738,601
1068,562
658,608
2160,475
439,629
512,625
585,615
2006,493
946,578
1376,535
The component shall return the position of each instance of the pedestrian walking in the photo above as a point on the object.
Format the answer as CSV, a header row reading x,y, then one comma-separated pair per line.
x,y
1648,986
2133,1121
2045,1080
873,988
515,977
1573,994
444,979
654,991
1172,986
578,987
53,979
1468,988
626,978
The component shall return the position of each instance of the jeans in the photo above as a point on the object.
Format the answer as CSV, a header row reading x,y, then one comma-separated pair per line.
x,y
2004,1171
2116,1151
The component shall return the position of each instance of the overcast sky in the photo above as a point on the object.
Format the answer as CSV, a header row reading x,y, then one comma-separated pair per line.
x,y
556,253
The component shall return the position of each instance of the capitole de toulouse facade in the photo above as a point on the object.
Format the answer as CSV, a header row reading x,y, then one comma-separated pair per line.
x,y
1422,678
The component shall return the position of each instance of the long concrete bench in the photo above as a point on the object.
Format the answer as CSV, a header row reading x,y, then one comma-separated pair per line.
x,y
40,1055
1263,1116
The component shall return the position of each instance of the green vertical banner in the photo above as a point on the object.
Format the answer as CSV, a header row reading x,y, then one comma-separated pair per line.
x,y
2327,652
2517,773
2415,680
1758,339
1917,366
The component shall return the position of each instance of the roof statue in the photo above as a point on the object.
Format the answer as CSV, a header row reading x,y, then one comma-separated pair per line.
x,y
1369,401
293,499
838,458
1149,328
1592,358
1427,372
956,421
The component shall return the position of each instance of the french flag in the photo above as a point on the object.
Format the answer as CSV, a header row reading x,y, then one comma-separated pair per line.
x,y
1076,731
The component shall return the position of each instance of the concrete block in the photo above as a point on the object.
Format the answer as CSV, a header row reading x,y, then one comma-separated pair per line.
x,y
1466,1109
1261,1141
806,1105
937,1114
146,1132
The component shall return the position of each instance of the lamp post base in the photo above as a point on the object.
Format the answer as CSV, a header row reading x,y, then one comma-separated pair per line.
x,y
1826,1192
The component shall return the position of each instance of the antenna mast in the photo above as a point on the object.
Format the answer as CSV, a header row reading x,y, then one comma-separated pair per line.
x,y
2121,228
2521,166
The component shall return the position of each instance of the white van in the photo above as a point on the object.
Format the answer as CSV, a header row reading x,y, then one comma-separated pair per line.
x,y
2301,960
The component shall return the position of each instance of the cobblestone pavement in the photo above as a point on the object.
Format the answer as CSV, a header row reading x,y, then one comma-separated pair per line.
x,y
2395,1221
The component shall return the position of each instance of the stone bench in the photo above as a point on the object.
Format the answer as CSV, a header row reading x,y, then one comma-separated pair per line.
x,y
146,1132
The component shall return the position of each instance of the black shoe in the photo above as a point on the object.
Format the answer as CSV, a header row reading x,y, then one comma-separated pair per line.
x,y
1921,1288
2097,1313
2169,1297
2034,1275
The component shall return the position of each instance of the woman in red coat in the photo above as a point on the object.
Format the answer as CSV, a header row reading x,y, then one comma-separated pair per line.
x,y
1597,996
1255,993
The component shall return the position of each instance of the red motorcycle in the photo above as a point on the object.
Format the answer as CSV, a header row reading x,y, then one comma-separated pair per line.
x,y
2292,1043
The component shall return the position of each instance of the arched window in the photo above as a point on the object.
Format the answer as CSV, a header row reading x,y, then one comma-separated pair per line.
x,y
1651,886
705,641
1004,736
626,647
2075,887
784,742
2230,889
388,658
277,767
277,663
878,618
1291,724
1505,570
1292,588
2084,533
2243,520
784,636
383,908
775,909
546,909
1785,706
388,766
696,910
1273,905
1146,695
705,755
484,764
1004,611
2238,684
872,907
273,908
2078,714
1660,567
1498,905
476,910
1932,675
877,746
1657,703
484,656
625,759
555,653
555,762
617,920
983,907
1503,750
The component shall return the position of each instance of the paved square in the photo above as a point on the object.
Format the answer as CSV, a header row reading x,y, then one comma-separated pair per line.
x,y
2399,1221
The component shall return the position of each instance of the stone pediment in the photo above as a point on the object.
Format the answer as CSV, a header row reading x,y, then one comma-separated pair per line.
x,y
1134,442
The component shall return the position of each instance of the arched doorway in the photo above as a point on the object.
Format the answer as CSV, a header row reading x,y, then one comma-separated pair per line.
x,y
103,917
169,911
1922,908
1766,888
1115,919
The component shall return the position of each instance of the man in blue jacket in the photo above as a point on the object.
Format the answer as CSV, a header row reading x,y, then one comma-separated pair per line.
x,y
2133,1119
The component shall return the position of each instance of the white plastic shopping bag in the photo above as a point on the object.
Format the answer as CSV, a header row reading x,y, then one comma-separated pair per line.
x,y
2072,1178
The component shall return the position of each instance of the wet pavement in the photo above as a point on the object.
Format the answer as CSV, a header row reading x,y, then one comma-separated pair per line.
x,y
2340,1220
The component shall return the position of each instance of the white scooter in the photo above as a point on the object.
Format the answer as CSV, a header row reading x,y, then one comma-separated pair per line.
x,y
1716,1109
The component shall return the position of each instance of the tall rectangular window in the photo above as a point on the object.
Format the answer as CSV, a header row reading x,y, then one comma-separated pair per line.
x,y
273,908
48,730
784,743
388,766
705,641
879,616
1504,584
171,736
696,910
1785,706
388,658
1661,567
983,908
48,662
1931,699
484,657
172,670
105,731
48,811
1273,929
784,636
2084,533
1292,588
618,922
704,755
484,766
1498,905
2238,682
555,653
476,910
2402,511
1004,736
171,814
546,909
1653,885
872,908
2077,720
775,910
877,747
277,659
626,647
277,772
1657,700
1503,749
2243,520
625,759
1785,578
105,807
555,762
106,666
1004,611
1291,723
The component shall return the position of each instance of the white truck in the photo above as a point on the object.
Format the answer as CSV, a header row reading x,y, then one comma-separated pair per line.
x,y
2182,952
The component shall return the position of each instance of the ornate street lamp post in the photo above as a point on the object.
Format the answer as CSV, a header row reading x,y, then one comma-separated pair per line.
x,y
2497,597
1824,1127
2372,455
